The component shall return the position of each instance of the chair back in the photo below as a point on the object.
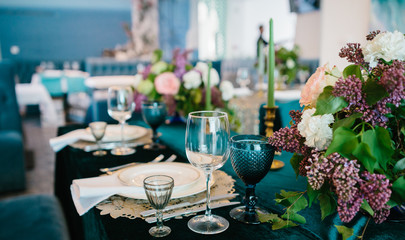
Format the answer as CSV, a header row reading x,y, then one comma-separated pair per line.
x,y
52,80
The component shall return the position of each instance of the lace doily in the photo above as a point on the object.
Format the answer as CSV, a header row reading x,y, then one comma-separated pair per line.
x,y
119,206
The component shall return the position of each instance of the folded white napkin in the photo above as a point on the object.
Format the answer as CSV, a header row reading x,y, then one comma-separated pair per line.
x,y
88,192
57,143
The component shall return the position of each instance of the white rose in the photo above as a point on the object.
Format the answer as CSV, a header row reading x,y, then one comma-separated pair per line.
x,y
387,45
203,68
192,79
137,79
227,90
290,63
316,129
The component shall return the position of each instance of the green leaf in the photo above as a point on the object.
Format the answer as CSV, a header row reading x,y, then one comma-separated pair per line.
x,y
294,200
352,70
347,122
344,142
363,154
398,188
400,165
327,103
293,216
374,92
327,204
379,141
295,163
271,217
366,207
281,223
345,231
312,194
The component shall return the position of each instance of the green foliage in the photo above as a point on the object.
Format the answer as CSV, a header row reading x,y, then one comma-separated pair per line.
x,y
327,204
278,223
327,103
295,163
344,142
363,154
379,141
366,207
352,70
347,121
345,231
374,92
398,190
312,194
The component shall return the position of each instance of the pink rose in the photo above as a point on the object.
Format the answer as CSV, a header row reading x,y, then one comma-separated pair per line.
x,y
314,87
167,83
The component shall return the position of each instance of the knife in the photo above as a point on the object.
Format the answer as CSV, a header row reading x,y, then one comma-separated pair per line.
x,y
189,211
187,204
107,146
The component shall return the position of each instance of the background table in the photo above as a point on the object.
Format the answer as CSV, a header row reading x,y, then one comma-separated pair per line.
x,y
74,163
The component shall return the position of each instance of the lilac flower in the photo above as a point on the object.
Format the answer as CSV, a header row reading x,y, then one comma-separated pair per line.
x,y
353,53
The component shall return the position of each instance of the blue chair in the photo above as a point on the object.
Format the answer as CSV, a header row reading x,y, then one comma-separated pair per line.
x,y
53,84
11,136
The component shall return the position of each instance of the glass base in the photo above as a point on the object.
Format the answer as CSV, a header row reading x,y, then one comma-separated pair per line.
x,y
212,224
122,151
99,153
160,232
240,214
154,146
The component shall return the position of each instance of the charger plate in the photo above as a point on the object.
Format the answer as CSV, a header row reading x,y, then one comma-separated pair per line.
x,y
113,133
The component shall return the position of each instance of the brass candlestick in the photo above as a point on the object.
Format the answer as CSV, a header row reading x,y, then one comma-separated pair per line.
x,y
269,123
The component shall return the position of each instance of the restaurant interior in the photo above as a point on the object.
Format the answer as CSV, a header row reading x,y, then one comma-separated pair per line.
x,y
104,100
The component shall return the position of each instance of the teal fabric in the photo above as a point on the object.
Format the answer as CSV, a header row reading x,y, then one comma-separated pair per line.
x,y
75,84
32,217
74,163
53,85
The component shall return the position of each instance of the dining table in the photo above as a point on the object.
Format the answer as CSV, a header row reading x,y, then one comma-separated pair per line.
x,y
74,163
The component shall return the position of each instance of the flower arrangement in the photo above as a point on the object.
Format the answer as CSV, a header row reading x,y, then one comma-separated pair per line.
x,y
287,63
182,86
349,139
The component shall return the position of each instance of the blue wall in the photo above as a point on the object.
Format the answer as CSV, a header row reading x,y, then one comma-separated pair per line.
x,y
60,33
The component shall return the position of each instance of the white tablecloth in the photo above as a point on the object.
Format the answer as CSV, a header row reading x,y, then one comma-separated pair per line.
x,y
104,82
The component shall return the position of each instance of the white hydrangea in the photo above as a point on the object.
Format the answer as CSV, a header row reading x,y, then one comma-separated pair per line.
x,y
192,79
203,68
227,90
290,63
316,129
387,45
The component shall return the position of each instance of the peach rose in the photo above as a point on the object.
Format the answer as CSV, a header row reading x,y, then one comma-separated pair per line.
x,y
317,82
167,83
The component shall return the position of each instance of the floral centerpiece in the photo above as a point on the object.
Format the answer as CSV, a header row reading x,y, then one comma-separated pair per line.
x,y
287,63
349,140
183,86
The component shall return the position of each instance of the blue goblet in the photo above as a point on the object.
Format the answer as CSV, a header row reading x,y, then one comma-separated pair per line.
x,y
154,114
251,158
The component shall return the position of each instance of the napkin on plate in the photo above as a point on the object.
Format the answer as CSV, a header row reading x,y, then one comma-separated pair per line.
x,y
88,192
58,143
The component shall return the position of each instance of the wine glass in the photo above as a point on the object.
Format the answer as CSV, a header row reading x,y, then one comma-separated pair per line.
x,y
242,77
207,141
120,107
98,130
251,158
158,189
154,114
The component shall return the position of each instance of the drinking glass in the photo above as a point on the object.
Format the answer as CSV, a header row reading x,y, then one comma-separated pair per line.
x,y
98,130
154,114
120,107
251,158
242,77
207,141
158,189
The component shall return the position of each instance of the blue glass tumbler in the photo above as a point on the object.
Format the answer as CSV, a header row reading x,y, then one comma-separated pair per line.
x,y
251,157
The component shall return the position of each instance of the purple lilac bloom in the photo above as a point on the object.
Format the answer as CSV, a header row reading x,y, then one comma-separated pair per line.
x,y
138,98
180,61
146,71
376,189
348,209
353,53
372,35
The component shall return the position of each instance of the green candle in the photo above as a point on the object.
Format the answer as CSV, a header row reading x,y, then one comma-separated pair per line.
x,y
208,89
270,90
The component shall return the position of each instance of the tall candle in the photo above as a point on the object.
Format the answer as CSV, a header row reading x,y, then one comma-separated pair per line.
x,y
208,89
270,88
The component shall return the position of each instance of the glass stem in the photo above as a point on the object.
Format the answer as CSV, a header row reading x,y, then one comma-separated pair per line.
x,y
208,209
122,134
98,145
250,198
159,219
154,135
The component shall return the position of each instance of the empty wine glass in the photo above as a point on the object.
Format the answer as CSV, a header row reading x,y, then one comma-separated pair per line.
x,y
120,107
242,77
154,114
98,130
158,189
207,141
251,158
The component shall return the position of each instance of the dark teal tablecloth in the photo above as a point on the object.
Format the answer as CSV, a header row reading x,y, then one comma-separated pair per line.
x,y
74,163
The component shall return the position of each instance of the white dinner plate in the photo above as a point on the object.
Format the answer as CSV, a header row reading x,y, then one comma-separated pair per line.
x,y
113,133
188,180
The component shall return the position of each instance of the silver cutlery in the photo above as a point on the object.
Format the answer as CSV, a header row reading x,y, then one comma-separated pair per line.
x,y
187,204
171,158
190,211
108,146
111,169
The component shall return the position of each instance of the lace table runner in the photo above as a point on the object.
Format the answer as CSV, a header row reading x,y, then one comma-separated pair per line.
x,y
119,206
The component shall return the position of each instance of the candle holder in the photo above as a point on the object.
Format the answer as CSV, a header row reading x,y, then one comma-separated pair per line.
x,y
269,120
269,124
